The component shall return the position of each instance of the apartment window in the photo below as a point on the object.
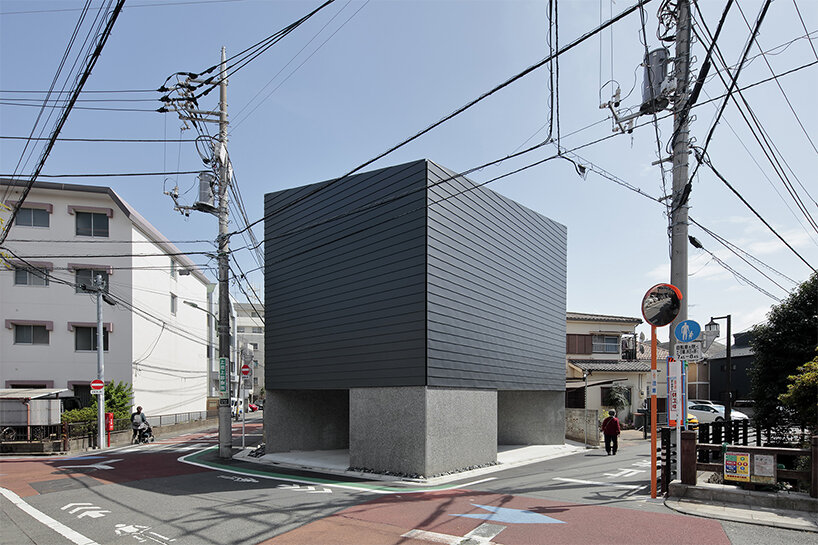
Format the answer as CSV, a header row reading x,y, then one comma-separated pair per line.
x,y
578,344
174,304
255,364
86,277
172,268
85,338
255,381
258,330
606,344
240,329
30,334
92,224
254,346
24,276
32,217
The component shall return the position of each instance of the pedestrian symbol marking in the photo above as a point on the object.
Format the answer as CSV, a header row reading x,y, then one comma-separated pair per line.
x,y
513,516
687,331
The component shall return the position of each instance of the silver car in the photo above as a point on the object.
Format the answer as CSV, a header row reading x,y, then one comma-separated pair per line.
x,y
713,413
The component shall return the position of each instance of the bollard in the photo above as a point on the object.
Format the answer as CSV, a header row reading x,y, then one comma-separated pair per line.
x,y
688,458
813,484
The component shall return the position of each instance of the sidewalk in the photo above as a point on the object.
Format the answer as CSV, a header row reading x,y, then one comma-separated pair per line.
x,y
794,511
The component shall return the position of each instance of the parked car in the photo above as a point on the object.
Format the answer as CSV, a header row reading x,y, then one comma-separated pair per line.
x,y
747,406
252,407
713,413
701,402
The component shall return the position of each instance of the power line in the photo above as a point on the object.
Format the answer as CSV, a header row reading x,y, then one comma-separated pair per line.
x,y
111,175
701,159
114,140
78,88
468,105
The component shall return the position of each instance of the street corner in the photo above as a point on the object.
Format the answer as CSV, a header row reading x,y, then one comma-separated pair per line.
x,y
452,516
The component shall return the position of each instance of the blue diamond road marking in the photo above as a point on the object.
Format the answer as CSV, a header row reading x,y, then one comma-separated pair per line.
x,y
513,516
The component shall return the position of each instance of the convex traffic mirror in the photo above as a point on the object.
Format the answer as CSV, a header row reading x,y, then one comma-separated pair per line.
x,y
661,304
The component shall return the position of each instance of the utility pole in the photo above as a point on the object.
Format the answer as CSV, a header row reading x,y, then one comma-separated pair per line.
x,y
100,363
678,215
185,104
681,192
225,424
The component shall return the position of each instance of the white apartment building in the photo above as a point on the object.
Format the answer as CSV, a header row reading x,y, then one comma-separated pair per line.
x,y
63,237
250,337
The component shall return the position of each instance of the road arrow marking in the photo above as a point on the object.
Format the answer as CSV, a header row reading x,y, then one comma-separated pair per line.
x,y
93,514
514,516
625,473
88,510
238,479
307,489
98,465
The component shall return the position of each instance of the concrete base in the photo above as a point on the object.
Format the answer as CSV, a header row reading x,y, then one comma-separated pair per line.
x,y
530,417
306,420
422,430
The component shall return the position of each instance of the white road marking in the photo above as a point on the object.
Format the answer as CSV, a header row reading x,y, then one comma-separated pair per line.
x,y
98,465
68,533
598,483
625,473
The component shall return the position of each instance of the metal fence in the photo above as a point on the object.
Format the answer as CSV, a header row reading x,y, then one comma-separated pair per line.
x,y
73,430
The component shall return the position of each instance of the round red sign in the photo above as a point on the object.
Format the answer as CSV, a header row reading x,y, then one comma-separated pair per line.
x,y
245,369
97,384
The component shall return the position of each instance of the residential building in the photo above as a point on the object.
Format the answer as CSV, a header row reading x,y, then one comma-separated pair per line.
x,y
250,342
413,317
603,351
63,238
741,360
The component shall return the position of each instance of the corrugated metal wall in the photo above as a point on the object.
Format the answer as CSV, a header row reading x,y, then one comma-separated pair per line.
x,y
351,281
497,288
345,299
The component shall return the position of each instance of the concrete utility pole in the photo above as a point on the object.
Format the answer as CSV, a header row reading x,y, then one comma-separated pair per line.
x,y
100,363
678,215
225,424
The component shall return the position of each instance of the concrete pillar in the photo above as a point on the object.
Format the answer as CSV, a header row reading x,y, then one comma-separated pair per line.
x,y
306,420
530,417
422,430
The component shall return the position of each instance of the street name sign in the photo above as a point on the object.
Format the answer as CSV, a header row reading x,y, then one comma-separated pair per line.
x,y
222,378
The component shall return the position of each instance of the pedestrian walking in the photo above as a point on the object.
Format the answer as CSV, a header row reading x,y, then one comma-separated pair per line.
x,y
611,430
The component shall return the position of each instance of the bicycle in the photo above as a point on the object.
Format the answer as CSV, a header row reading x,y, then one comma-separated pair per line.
x,y
8,434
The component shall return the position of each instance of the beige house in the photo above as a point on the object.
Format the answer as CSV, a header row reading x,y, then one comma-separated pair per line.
x,y
601,351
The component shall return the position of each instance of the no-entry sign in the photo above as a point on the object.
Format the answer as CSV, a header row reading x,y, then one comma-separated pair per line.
x,y
245,369
97,386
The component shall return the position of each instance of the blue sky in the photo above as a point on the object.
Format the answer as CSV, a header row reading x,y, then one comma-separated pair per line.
x,y
359,77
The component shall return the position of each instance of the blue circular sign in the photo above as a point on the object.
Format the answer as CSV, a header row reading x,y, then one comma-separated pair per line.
x,y
687,331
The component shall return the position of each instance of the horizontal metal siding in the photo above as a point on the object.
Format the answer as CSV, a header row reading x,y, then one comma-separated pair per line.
x,y
345,282
496,290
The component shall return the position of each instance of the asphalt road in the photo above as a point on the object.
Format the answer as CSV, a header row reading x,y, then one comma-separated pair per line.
x,y
169,492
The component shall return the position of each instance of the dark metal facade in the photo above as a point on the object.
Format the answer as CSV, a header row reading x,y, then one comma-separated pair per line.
x,y
410,276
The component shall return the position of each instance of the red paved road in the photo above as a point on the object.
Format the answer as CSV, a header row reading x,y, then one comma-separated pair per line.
x,y
143,463
385,520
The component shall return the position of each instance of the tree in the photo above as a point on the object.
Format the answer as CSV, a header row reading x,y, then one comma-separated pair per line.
x,y
785,342
118,398
802,393
618,397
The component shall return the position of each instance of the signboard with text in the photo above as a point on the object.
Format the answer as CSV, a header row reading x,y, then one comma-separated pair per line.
x,y
737,466
689,352
223,377
763,470
675,413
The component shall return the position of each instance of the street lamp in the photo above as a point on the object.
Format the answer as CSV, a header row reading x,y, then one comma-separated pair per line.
x,y
194,305
713,327
210,343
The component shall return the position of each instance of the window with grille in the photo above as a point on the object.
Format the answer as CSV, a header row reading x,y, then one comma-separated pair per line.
x,y
606,344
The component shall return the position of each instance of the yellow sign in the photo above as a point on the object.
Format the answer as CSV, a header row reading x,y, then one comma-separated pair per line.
x,y
737,466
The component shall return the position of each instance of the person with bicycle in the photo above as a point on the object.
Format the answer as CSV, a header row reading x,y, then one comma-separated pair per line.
x,y
138,423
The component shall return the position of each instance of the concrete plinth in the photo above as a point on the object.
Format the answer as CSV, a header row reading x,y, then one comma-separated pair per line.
x,y
530,417
306,420
422,430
